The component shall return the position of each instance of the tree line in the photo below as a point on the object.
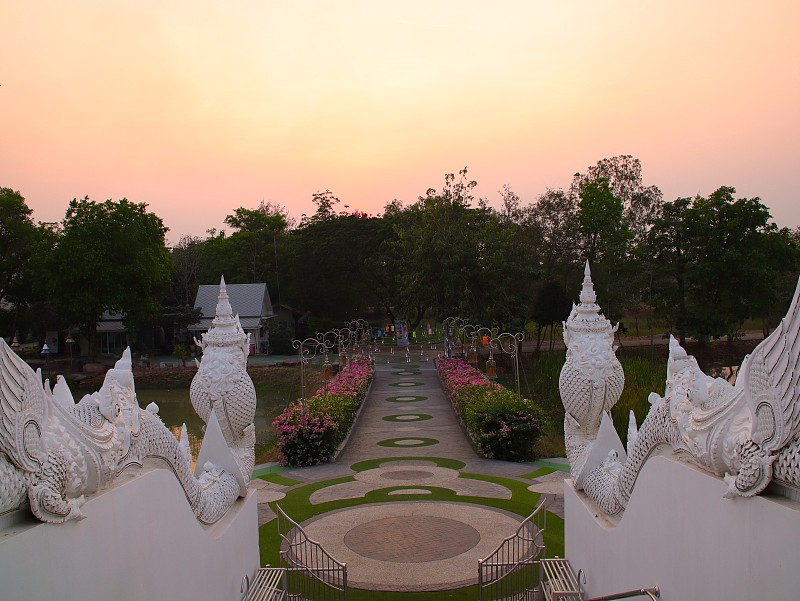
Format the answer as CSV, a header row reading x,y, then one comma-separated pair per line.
x,y
699,266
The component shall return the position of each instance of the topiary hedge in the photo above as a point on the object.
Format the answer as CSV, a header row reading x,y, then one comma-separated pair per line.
x,y
309,432
501,425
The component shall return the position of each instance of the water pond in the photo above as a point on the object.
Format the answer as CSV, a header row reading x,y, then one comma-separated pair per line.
x,y
175,409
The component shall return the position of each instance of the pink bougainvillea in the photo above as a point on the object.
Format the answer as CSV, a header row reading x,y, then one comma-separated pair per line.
x,y
502,425
308,432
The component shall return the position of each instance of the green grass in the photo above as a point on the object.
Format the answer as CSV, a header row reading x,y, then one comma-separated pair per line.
x,y
297,505
371,464
641,378
539,382
419,417
393,442
412,398
271,469
542,471
278,479
276,387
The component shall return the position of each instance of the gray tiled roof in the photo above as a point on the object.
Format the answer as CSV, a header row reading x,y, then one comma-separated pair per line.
x,y
250,301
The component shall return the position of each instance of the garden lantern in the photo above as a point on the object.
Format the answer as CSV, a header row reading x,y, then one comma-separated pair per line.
x,y
491,372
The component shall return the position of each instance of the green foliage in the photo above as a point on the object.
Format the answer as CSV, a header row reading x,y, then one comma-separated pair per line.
x,y
179,351
309,431
110,256
604,233
18,241
641,203
337,272
503,426
716,262
280,342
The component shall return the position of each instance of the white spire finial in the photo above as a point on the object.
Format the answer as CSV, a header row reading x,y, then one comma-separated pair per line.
x,y
224,313
226,329
588,296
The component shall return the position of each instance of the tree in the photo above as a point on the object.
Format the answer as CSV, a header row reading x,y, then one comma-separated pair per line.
x,y
668,250
436,244
110,256
723,258
187,262
640,203
604,234
336,269
18,237
552,305
553,228
325,202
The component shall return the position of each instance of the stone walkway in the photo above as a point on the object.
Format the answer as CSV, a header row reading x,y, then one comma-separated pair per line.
x,y
411,545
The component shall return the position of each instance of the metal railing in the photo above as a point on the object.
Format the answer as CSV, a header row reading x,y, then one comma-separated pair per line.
x,y
511,572
312,574
654,594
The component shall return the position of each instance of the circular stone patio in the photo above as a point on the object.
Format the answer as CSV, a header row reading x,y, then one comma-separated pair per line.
x,y
412,546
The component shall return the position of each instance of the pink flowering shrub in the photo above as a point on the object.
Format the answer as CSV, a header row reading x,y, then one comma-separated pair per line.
x,y
502,426
308,433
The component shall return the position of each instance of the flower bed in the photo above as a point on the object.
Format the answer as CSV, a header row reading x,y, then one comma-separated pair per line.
x,y
502,426
309,433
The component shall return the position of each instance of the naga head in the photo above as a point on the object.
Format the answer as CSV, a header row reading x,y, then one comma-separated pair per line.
x,y
226,332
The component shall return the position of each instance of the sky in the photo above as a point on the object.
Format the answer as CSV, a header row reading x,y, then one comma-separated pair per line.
x,y
198,107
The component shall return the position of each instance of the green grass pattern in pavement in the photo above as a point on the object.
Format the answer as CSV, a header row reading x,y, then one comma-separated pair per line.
x,y
406,398
297,505
278,479
371,464
542,471
418,417
395,442
270,469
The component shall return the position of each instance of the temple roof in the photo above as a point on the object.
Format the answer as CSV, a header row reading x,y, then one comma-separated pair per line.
x,y
250,302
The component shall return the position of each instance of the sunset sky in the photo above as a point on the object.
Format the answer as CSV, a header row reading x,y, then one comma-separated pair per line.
x,y
198,107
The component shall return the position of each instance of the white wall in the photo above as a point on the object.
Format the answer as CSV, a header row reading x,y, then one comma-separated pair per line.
x,y
678,532
139,541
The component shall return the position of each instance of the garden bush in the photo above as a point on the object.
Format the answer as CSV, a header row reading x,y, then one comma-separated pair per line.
x,y
501,425
309,432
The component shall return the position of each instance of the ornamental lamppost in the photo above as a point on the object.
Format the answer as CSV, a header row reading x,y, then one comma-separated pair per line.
x,y
306,349
510,344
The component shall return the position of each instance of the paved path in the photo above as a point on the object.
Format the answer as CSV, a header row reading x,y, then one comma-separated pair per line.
x,y
411,545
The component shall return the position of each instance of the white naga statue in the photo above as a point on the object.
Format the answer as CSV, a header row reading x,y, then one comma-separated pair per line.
x,y
748,433
591,380
54,452
222,385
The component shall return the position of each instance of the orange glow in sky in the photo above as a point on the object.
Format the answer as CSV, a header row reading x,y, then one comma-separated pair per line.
x,y
198,107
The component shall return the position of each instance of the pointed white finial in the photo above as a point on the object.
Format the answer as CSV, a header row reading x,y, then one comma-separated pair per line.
x,y
588,297
224,312
225,327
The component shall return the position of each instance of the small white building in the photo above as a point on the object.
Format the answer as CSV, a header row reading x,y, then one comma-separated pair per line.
x,y
250,302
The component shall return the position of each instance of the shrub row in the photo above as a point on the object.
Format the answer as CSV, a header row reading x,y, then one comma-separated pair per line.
x,y
501,425
309,432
